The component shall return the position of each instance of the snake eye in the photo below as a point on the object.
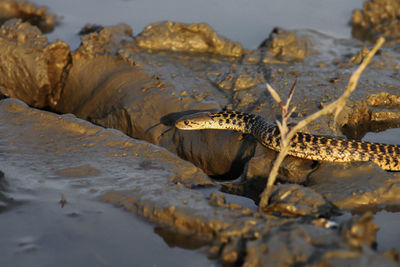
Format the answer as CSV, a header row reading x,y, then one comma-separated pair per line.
x,y
186,122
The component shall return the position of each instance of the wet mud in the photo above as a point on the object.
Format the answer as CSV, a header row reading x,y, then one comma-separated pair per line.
x,y
36,15
377,18
183,181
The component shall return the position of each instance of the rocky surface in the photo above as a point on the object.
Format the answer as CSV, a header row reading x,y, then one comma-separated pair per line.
x,y
32,69
48,150
179,37
297,200
377,18
141,84
29,12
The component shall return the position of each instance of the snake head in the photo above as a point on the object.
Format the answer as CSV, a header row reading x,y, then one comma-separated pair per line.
x,y
195,121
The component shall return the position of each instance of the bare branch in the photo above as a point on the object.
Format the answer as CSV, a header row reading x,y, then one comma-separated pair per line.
x,y
275,95
291,112
335,106
290,94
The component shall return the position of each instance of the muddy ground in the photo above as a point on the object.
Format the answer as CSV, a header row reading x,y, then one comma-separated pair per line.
x,y
183,181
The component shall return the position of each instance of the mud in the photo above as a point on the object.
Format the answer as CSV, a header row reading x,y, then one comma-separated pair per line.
x,y
141,84
32,69
29,12
296,200
151,181
377,18
47,157
179,37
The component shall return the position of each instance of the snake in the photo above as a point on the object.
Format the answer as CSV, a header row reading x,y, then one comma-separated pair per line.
x,y
302,145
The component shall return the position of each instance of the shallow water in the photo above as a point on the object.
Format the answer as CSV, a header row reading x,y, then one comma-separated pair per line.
x,y
388,235
37,231
83,233
389,136
246,22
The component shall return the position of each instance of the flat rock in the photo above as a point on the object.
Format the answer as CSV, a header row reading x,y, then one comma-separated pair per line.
x,y
360,186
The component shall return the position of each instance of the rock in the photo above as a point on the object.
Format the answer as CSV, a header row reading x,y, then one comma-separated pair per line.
x,y
99,41
36,123
306,245
378,18
193,38
28,12
359,57
360,186
359,232
296,200
284,46
32,69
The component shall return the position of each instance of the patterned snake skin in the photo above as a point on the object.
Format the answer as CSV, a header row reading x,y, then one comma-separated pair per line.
x,y
303,145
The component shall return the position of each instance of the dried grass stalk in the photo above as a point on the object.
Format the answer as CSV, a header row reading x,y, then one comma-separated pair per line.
x,y
334,107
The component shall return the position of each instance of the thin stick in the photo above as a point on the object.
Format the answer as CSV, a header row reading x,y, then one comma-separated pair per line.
x,y
335,106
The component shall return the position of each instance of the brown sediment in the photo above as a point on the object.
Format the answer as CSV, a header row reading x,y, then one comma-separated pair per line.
x,y
296,200
28,12
193,38
377,18
375,113
112,80
32,69
112,83
285,46
360,232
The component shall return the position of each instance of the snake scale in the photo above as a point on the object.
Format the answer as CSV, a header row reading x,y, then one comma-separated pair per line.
x,y
303,145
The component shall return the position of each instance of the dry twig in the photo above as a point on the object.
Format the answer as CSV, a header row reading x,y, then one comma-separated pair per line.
x,y
334,107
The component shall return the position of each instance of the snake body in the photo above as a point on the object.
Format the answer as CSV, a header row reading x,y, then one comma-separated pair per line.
x,y
303,145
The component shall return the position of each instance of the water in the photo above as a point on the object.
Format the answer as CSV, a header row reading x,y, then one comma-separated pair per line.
x,y
83,233
388,236
389,136
248,22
